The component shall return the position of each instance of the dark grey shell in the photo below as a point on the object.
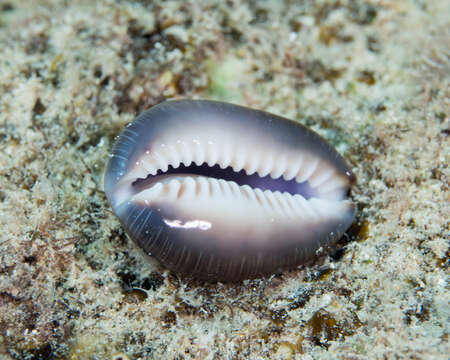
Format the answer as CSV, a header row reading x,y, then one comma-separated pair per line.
x,y
224,192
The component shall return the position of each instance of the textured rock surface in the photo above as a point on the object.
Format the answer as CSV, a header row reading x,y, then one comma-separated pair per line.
x,y
370,76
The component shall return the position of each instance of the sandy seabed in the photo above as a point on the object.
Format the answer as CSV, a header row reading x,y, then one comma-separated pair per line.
x,y
372,77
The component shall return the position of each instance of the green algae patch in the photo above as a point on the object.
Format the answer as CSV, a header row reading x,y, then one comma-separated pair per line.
x,y
224,78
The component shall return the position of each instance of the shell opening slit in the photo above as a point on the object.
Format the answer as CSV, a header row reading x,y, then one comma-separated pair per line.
x,y
224,192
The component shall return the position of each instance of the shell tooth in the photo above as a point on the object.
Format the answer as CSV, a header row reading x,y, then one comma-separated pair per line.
x,y
160,161
173,189
212,154
187,189
321,175
148,195
334,183
293,168
225,188
326,208
282,200
272,201
234,188
156,189
304,208
149,166
266,166
239,160
307,170
261,198
198,152
198,162
252,165
333,189
225,155
173,158
294,207
279,167
202,187
138,173
185,152
248,192
215,187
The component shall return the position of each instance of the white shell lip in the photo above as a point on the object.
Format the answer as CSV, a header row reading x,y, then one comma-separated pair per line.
x,y
202,217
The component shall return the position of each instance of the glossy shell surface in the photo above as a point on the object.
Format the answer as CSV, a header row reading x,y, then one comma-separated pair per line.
x,y
224,192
